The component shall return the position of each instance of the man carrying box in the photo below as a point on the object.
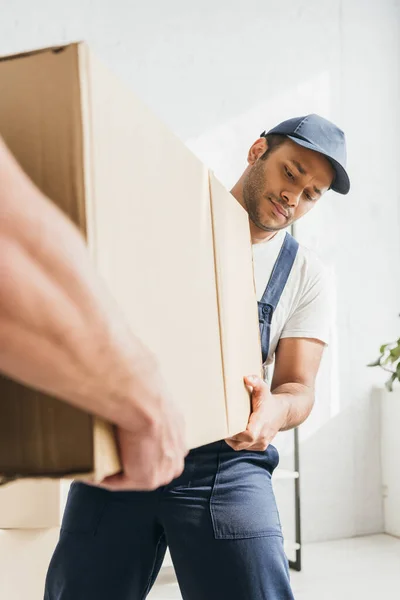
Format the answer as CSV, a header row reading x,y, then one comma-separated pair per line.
x,y
219,518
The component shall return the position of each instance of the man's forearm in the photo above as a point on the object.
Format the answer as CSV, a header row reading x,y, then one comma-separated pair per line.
x,y
59,328
298,400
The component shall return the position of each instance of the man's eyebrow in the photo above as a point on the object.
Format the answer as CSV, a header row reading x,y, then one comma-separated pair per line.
x,y
302,170
317,191
299,167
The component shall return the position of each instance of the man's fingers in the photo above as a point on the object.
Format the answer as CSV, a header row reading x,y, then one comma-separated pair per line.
x,y
114,482
230,443
250,438
174,467
244,436
121,482
240,441
238,445
254,382
179,469
242,446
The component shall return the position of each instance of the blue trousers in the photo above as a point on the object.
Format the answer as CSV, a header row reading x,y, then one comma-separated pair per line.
x,y
219,520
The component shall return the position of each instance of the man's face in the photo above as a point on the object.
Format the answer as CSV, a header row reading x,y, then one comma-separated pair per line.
x,y
285,186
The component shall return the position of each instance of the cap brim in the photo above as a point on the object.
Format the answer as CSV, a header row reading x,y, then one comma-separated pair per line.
x,y
341,183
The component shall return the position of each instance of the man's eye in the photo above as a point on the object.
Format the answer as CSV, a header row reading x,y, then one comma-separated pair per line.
x,y
308,197
289,173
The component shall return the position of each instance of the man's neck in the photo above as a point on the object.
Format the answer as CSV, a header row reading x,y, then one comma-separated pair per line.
x,y
258,236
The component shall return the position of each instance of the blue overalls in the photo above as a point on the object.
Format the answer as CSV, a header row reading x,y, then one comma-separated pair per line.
x,y
219,520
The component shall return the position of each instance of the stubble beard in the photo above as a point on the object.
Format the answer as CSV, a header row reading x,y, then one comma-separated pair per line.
x,y
253,196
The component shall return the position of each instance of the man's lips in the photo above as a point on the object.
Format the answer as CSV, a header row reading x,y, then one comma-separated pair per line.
x,y
279,209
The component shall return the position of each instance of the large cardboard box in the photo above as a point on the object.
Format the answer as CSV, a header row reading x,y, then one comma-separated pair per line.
x,y
172,244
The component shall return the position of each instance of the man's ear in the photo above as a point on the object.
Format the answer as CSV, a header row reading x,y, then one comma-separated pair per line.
x,y
257,150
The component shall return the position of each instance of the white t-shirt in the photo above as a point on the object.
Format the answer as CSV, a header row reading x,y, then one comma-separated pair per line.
x,y
304,307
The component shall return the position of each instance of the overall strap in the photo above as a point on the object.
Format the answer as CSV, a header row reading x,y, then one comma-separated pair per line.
x,y
273,291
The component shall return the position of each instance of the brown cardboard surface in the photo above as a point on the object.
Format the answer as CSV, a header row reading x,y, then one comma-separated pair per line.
x,y
172,245
24,414
39,120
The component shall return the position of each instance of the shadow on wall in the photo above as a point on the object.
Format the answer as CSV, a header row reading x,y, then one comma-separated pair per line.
x,y
224,148
341,482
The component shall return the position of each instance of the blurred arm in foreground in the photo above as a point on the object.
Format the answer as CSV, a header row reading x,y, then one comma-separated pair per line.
x,y
61,332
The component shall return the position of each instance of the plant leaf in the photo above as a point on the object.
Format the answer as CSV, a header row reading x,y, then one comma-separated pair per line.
x,y
383,348
376,363
388,360
395,352
389,383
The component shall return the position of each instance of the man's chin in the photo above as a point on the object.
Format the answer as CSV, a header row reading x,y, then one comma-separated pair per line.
x,y
270,227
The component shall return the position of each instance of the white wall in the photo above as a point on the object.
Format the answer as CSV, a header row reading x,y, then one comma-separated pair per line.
x,y
218,73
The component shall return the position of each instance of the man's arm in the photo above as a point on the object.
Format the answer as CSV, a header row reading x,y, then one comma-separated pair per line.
x,y
291,398
61,332
297,361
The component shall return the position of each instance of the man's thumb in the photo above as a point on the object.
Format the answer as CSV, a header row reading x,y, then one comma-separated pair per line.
x,y
253,381
257,390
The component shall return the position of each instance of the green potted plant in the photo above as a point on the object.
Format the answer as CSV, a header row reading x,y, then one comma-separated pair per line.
x,y
389,360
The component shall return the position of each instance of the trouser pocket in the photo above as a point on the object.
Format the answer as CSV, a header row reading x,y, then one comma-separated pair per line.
x,y
242,501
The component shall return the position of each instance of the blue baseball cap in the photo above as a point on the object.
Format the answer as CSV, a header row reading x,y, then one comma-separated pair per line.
x,y
319,134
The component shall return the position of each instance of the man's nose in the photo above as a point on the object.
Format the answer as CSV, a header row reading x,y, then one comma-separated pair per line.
x,y
291,198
